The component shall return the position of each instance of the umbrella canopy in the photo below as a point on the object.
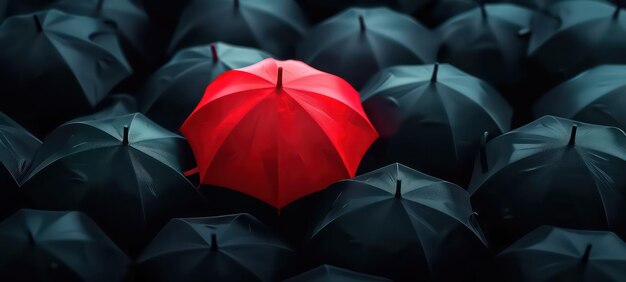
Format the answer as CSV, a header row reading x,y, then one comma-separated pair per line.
x,y
487,42
17,7
332,273
394,222
125,172
278,130
552,171
271,25
360,41
129,19
173,91
577,35
56,66
595,96
439,11
234,247
58,246
17,148
321,9
558,254
432,118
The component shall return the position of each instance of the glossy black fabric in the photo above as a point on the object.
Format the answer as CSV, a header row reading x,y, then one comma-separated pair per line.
x,y
393,222
17,148
551,173
58,246
234,247
552,254
56,66
435,126
129,189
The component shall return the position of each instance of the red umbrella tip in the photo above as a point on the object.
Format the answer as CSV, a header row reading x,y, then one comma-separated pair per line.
x,y
38,23
214,52
362,23
125,137
279,80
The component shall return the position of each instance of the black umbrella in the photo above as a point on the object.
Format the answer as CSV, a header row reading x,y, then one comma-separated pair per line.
x,y
551,254
595,96
17,7
333,273
223,248
321,9
125,172
552,171
359,42
432,118
271,25
129,19
439,11
577,35
171,94
17,148
112,106
489,42
394,222
55,66
58,246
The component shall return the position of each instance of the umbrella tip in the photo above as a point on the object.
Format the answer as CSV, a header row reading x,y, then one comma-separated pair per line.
x,y
483,152
236,3
38,23
214,52
572,137
362,23
213,242
98,7
279,80
618,8
31,238
433,78
398,194
483,11
585,257
125,137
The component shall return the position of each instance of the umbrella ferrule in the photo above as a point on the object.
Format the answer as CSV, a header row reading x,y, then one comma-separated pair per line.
x,y
236,3
214,52
618,9
125,136
572,137
483,10
483,152
38,23
398,194
433,78
585,257
214,242
362,23
279,79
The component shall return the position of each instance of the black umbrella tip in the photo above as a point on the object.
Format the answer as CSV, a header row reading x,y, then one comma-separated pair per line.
x,y
483,152
213,242
98,7
398,193
618,9
38,23
279,79
236,3
433,78
483,10
585,257
362,23
31,238
572,137
214,52
125,136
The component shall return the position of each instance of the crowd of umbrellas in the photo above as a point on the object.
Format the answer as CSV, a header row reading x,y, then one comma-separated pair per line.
x,y
312,140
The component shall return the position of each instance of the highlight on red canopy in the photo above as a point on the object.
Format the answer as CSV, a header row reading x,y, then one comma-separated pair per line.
x,y
278,131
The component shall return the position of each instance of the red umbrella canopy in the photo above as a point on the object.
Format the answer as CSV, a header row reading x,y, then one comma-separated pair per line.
x,y
278,130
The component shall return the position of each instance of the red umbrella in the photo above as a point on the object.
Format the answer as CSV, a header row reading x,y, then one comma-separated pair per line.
x,y
278,130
